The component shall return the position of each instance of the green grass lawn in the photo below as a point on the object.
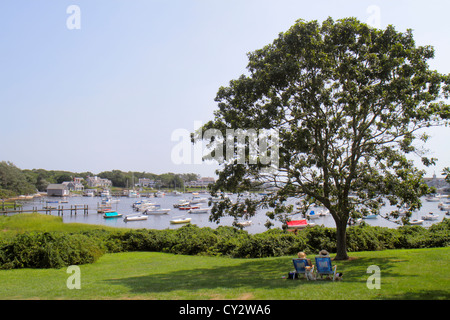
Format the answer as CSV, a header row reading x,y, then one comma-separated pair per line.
x,y
405,274
11,225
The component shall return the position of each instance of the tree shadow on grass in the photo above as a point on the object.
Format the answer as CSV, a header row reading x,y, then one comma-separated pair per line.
x,y
356,269
250,275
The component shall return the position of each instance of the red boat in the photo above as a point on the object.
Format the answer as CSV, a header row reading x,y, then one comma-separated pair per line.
x,y
188,207
297,224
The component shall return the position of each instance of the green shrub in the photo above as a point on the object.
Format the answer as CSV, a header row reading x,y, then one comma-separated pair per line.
x,y
271,243
59,249
319,238
49,250
192,240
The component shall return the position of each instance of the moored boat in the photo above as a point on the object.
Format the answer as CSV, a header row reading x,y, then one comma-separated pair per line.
x,y
188,207
297,224
436,198
181,203
180,220
198,199
244,223
199,210
111,214
156,210
431,216
313,215
135,217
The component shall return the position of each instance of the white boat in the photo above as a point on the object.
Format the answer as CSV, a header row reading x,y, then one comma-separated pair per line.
x,y
244,223
181,203
139,203
323,213
135,217
198,199
434,199
180,220
160,194
144,206
354,222
89,193
444,206
199,210
133,194
156,210
430,216
416,222
313,215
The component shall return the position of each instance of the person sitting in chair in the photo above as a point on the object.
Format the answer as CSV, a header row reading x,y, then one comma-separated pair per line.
x,y
308,267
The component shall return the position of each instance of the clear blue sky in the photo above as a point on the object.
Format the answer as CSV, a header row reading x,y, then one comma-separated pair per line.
x,y
109,95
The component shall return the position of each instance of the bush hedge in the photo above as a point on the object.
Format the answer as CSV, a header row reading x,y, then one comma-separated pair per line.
x,y
49,250
59,249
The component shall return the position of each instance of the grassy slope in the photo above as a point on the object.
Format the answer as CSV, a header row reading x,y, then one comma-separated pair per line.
x,y
405,274
11,225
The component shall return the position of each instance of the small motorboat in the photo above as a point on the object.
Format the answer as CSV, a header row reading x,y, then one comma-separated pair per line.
x,y
297,224
244,223
111,214
156,210
180,220
370,216
199,210
354,222
431,216
144,206
416,222
135,217
313,215
198,199
188,207
181,203
323,213
434,199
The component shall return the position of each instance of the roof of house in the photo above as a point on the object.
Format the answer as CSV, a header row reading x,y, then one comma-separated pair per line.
x,y
56,186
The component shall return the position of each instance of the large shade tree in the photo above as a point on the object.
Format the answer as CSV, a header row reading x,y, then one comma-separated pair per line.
x,y
349,103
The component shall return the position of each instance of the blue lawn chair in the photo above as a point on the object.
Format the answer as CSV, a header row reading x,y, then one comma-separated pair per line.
x,y
300,267
324,267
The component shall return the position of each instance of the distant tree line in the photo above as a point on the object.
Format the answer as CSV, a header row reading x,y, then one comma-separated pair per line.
x,y
15,181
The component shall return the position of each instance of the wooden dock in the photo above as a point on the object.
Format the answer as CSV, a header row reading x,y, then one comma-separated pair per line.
x,y
74,209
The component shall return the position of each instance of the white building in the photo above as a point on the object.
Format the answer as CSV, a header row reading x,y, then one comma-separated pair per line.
x,y
94,182
202,182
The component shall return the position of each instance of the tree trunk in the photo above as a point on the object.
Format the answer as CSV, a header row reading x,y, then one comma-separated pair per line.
x,y
341,237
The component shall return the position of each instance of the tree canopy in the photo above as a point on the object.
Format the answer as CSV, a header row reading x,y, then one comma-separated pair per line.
x,y
348,103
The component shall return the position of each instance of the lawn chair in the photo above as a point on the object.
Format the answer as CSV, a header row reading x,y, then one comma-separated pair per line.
x,y
324,267
300,267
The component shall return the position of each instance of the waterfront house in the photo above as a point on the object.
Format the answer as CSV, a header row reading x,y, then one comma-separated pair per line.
x,y
73,186
145,182
57,190
202,182
94,182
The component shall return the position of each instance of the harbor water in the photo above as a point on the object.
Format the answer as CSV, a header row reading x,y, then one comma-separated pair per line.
x,y
124,207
